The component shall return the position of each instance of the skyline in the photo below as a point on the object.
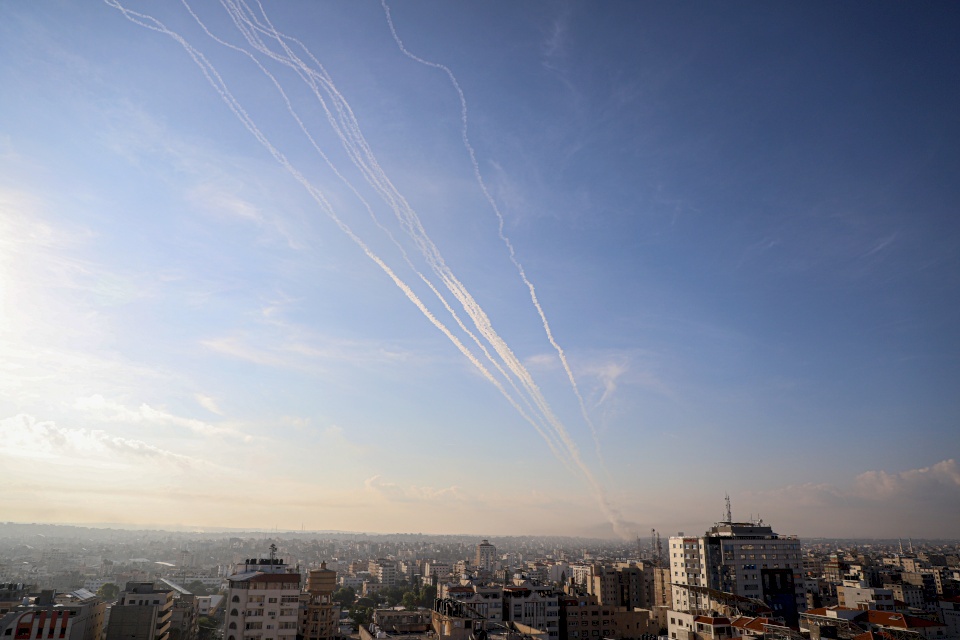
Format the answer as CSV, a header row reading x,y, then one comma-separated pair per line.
x,y
709,250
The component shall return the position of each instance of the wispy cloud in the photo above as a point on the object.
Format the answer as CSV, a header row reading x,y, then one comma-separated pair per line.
x,y
208,403
109,411
291,347
26,437
412,493
208,180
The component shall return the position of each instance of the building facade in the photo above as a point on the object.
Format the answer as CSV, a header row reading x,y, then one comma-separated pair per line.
x,y
745,559
263,602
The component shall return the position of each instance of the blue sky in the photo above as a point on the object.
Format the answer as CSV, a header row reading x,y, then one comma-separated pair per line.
x,y
739,222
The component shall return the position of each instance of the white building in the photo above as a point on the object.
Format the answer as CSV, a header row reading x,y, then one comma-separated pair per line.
x,y
533,605
262,602
857,594
746,559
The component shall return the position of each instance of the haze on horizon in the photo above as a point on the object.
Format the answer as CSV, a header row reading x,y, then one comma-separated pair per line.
x,y
523,269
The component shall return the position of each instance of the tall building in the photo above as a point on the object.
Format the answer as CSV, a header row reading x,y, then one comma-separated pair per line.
x,y
629,585
746,559
263,602
142,612
385,571
486,556
321,617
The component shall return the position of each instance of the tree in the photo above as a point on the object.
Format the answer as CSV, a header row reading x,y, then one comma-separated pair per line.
x,y
393,595
198,588
410,600
345,596
108,591
207,627
361,615
428,595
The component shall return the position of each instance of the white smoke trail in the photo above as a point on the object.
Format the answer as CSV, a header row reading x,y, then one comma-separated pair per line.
x,y
346,127
365,160
500,224
242,26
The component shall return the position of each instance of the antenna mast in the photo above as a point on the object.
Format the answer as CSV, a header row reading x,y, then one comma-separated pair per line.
x,y
729,511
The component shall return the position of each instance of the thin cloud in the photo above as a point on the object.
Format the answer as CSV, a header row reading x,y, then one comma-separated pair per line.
x,y
394,492
208,403
26,437
110,411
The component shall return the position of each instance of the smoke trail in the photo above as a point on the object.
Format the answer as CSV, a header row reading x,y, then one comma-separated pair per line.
x,y
365,160
500,224
243,27
346,127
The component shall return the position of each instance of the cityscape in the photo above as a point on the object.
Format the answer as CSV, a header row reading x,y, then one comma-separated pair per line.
x,y
734,580
479,320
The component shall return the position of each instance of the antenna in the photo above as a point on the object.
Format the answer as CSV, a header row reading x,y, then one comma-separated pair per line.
x,y
729,512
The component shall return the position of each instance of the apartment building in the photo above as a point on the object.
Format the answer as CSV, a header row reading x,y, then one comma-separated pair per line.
x,y
263,602
77,615
532,605
746,559
142,612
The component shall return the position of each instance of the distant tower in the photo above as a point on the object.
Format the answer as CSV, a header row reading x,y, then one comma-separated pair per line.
x,y
486,556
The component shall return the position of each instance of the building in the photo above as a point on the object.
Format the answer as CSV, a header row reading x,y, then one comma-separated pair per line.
x,y
452,620
209,606
950,615
185,617
142,612
630,585
263,602
74,616
384,571
320,616
848,623
856,594
745,559
436,570
486,558
485,600
534,606
910,595
584,618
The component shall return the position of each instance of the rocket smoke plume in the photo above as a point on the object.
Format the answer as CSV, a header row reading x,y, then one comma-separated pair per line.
x,y
262,44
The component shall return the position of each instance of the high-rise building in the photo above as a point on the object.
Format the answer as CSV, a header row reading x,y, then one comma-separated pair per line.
x,y
486,556
263,602
746,559
142,612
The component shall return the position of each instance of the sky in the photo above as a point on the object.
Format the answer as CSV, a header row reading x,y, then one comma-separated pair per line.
x,y
481,267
